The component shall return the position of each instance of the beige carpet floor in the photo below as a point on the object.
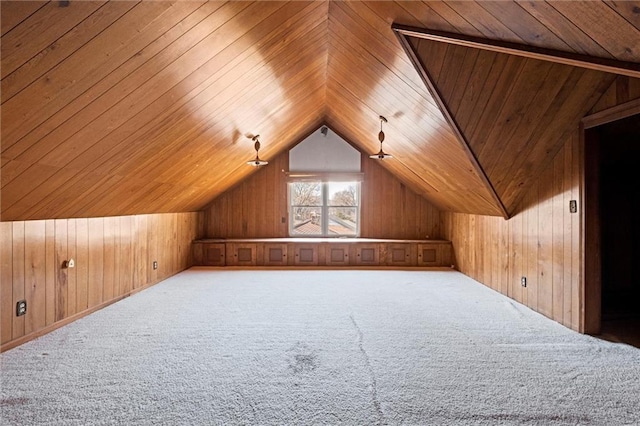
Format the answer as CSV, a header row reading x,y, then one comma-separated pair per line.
x,y
216,347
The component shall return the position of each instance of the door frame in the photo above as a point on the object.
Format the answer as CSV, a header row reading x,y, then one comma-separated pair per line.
x,y
590,244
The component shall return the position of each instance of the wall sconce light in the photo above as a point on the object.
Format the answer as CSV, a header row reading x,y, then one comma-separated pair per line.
x,y
381,155
257,162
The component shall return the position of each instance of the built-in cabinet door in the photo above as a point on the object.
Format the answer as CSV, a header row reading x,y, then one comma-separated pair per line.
x,y
241,254
275,255
213,255
400,255
306,254
429,255
434,254
366,254
337,254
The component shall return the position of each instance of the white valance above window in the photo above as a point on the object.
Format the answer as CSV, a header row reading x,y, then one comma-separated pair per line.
x,y
323,153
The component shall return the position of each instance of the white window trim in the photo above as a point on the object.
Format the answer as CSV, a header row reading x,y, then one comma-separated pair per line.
x,y
325,211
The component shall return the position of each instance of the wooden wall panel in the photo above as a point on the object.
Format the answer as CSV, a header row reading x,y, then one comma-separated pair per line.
x,y
18,278
140,249
257,207
390,209
112,261
531,244
95,292
6,276
50,270
230,215
60,241
543,237
125,258
71,273
34,273
110,272
82,268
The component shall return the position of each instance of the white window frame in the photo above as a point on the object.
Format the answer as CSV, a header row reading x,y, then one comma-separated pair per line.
x,y
324,185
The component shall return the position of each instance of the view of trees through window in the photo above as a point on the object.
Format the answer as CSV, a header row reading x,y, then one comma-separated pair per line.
x,y
324,208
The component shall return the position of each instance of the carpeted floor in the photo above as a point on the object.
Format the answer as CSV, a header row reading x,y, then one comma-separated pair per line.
x,y
319,347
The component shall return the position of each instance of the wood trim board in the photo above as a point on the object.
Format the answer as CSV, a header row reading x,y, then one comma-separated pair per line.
x,y
614,66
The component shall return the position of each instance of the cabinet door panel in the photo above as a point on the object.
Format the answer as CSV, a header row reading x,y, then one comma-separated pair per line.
x,y
275,254
401,254
366,254
337,254
213,254
241,254
434,254
306,254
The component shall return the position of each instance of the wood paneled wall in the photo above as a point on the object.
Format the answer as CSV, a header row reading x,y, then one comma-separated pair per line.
x,y
392,210
113,258
257,207
542,241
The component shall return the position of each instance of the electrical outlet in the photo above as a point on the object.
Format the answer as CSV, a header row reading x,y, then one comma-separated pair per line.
x,y
21,308
523,281
155,264
573,206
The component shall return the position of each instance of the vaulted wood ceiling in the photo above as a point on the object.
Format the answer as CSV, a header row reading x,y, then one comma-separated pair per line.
x,y
113,108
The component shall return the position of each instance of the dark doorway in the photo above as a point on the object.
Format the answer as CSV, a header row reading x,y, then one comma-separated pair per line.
x,y
618,183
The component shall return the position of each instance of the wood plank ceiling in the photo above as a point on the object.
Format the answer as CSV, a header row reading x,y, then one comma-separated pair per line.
x,y
114,108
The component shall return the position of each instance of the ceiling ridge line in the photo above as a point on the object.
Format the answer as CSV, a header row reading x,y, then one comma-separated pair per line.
x,y
426,78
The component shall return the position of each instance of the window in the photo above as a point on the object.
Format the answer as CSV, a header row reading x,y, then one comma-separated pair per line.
x,y
324,209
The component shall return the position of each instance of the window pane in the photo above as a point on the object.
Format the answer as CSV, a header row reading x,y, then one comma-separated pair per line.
x,y
307,220
306,194
343,221
343,193
328,209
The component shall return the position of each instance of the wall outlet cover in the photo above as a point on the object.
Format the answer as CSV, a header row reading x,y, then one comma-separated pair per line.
x,y
21,308
573,206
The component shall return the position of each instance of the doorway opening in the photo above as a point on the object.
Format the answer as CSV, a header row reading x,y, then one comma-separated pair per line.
x,y
612,230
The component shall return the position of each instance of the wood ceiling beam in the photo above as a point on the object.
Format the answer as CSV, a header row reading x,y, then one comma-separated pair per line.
x,y
631,69
617,112
428,81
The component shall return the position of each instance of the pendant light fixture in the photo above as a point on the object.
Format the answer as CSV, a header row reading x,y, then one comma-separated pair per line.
x,y
257,162
381,155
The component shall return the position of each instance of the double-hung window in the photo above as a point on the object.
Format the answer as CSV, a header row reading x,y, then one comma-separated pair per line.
x,y
324,209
